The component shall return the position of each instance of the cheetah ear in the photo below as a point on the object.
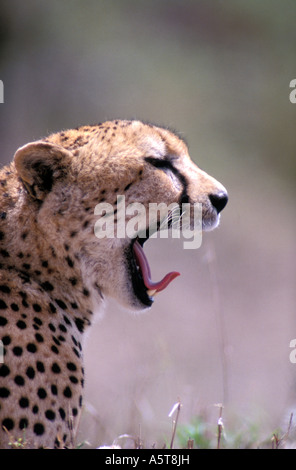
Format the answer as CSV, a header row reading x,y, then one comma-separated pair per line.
x,y
39,164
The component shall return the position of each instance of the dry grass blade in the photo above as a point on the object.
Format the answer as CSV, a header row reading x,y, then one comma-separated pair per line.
x,y
276,441
177,408
220,427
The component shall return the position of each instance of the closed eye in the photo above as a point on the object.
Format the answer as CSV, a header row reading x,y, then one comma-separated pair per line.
x,y
161,164
175,175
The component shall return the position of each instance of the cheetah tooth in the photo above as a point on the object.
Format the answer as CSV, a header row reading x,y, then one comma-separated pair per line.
x,y
151,292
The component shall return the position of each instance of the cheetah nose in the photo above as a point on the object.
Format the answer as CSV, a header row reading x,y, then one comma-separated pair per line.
x,y
219,200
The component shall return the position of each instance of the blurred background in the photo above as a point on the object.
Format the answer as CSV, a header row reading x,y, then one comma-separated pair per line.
x,y
219,73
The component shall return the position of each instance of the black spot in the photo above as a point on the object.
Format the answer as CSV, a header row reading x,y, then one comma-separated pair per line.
x,y
21,325
30,372
86,223
62,413
25,278
19,380
54,389
61,304
3,305
73,234
74,305
73,281
66,247
69,261
24,235
85,292
51,327
5,289
57,443
37,308
23,424
56,341
67,392
8,424
50,415
24,402
26,266
17,351
4,253
31,347
52,308
35,409
73,379
3,321
20,255
6,340
38,321
39,338
4,392
25,303
79,324
14,307
76,352
3,215
4,370
40,366
66,320
54,349
62,328
44,264
55,368
38,429
47,286
41,392
127,186
71,366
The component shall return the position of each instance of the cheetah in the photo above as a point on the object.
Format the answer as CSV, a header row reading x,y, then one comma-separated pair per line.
x,y
55,272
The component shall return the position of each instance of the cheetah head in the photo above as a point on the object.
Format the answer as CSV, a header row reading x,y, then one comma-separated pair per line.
x,y
71,176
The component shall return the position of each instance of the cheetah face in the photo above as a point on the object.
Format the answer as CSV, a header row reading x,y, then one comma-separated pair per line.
x,y
70,175
144,289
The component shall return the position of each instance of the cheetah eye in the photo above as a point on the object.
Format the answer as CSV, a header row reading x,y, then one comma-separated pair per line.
x,y
172,172
161,164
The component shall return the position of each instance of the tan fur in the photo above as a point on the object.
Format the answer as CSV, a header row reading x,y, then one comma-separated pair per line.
x,y
55,272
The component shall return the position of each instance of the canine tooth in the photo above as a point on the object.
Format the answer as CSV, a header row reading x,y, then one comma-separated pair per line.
x,y
151,292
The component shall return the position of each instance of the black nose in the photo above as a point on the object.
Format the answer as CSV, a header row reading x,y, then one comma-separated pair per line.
x,y
219,200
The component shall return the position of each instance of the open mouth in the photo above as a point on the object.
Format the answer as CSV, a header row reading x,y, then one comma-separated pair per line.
x,y
144,288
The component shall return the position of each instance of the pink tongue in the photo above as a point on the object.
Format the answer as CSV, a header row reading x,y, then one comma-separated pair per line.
x,y
145,270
